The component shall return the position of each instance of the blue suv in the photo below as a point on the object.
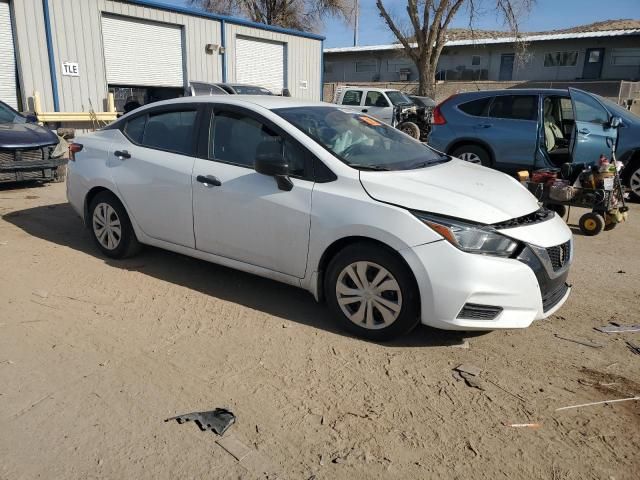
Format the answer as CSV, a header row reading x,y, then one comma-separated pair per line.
x,y
527,129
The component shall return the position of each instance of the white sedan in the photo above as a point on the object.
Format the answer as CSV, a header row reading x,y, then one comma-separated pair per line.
x,y
388,231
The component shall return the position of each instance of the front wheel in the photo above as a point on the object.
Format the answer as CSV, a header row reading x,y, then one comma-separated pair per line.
x,y
634,182
372,292
410,129
591,224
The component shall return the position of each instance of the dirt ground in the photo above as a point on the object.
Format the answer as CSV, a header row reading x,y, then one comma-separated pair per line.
x,y
95,354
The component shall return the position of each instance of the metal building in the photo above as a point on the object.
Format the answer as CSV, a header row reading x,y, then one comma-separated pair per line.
x,y
74,52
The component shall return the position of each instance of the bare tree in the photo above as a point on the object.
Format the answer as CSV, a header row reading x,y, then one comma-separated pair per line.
x,y
425,38
306,15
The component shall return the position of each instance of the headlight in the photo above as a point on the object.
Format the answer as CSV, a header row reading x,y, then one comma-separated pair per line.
x,y
468,237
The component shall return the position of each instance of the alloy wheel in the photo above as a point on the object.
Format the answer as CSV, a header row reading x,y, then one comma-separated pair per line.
x,y
106,226
369,295
634,182
470,157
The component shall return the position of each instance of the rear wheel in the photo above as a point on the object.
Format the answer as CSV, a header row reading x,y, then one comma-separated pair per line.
x,y
473,154
111,228
561,210
372,292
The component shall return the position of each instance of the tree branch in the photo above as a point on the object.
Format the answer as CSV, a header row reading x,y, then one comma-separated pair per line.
x,y
401,38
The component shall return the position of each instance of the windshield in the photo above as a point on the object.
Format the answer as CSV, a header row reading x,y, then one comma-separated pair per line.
x,y
8,115
619,110
359,140
251,90
397,98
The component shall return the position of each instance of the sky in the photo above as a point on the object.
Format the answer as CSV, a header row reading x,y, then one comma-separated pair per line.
x,y
547,15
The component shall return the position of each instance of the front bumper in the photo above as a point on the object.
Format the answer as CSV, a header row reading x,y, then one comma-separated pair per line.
x,y
449,279
19,171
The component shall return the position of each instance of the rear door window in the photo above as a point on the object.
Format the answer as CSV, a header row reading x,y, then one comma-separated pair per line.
x,y
171,131
134,128
476,108
352,97
515,107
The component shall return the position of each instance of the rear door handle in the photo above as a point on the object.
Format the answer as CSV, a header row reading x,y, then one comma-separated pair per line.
x,y
584,131
122,154
209,181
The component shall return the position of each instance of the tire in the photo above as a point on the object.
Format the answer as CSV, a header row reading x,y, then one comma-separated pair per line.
x,y
561,210
113,242
610,226
410,129
474,154
381,315
591,224
634,182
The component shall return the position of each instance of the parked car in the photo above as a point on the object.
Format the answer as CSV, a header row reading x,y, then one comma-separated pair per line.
x,y
203,88
526,129
390,106
27,150
385,229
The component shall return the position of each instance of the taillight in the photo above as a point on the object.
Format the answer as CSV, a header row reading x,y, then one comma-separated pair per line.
x,y
73,149
438,118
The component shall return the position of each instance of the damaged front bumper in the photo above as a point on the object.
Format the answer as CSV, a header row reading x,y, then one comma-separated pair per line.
x,y
16,171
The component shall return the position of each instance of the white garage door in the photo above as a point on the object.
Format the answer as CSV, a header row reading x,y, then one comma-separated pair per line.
x,y
260,63
138,52
8,88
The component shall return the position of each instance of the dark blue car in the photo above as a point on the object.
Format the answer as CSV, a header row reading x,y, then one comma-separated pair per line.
x,y
527,129
27,150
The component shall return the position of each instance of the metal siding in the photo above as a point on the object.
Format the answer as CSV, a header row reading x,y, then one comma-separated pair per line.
x,y
8,87
302,59
31,49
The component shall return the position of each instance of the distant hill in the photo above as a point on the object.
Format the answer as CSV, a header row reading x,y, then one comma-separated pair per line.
x,y
468,34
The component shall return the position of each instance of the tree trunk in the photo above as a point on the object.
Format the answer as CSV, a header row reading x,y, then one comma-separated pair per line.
x,y
426,81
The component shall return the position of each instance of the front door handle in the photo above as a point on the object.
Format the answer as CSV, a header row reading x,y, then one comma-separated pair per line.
x,y
122,154
209,181
584,131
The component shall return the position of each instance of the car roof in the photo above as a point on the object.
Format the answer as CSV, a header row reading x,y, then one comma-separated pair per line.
x,y
517,91
270,102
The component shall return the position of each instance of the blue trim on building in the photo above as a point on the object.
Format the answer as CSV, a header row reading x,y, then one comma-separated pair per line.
x,y
321,70
223,44
52,60
232,20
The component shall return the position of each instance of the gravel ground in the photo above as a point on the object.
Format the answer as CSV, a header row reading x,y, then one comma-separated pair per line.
x,y
95,354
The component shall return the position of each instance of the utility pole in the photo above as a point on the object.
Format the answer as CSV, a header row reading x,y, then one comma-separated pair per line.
x,y
356,12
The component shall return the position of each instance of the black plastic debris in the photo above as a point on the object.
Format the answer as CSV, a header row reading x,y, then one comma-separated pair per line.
x,y
218,420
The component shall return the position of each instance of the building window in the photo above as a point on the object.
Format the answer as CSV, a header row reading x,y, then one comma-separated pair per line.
x,y
561,59
475,60
397,65
328,67
366,66
625,57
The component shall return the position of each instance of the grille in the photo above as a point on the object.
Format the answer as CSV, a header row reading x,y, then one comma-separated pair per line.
x,y
473,311
34,155
559,255
538,216
551,299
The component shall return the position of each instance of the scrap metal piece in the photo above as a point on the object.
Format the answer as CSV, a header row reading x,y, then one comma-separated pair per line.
x,y
586,343
634,347
615,328
218,420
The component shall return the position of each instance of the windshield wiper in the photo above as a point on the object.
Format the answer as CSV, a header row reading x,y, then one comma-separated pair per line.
x,y
378,168
441,159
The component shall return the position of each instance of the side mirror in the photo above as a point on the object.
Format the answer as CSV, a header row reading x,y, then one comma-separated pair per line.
x,y
615,122
31,118
270,161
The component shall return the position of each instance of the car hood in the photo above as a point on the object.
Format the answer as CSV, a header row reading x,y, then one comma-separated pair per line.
x,y
25,135
456,189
